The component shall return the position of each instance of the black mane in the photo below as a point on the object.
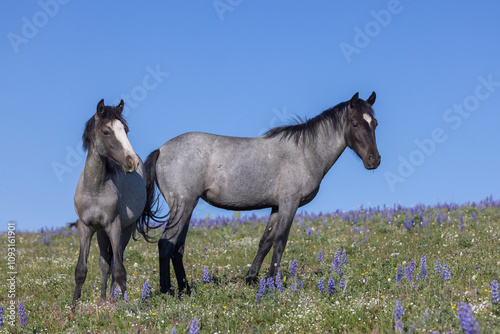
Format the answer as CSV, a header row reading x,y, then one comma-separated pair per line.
x,y
308,129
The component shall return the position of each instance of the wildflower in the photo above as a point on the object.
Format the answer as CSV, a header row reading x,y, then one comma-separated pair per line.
x,y
366,239
344,257
423,266
474,219
494,292
320,256
398,314
2,312
408,274
309,231
270,284
300,285
279,283
21,312
342,284
116,293
462,225
446,274
206,278
261,290
146,288
467,321
46,239
321,286
399,274
292,268
437,267
412,266
174,331
194,326
293,286
331,285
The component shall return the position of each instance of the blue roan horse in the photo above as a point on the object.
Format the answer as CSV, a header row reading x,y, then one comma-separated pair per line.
x,y
110,196
281,170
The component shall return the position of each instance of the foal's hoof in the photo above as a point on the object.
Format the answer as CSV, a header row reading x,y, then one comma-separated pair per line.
x,y
253,281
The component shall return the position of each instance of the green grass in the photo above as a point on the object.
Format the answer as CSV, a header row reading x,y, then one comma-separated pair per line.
x,y
45,280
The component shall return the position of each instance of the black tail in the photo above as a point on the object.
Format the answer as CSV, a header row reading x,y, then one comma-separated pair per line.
x,y
150,219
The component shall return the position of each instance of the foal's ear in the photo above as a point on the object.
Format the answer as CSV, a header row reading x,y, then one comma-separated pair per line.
x,y
120,106
371,99
100,108
354,100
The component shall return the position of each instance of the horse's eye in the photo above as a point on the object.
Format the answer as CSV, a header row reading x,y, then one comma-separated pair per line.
x,y
106,132
355,124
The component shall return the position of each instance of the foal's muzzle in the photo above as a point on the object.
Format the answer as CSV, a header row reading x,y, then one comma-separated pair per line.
x,y
372,162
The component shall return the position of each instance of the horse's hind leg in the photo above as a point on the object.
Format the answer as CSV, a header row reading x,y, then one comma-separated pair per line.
x,y
105,258
85,236
171,245
265,244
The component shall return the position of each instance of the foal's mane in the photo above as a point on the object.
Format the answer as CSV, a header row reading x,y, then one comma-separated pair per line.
x,y
110,114
308,129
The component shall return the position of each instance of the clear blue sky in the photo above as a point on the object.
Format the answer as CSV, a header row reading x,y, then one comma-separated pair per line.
x,y
241,67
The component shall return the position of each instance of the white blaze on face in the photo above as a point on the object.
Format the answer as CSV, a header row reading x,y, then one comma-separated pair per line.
x,y
121,135
368,119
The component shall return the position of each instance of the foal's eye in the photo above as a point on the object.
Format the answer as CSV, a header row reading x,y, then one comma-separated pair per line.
x,y
355,124
106,132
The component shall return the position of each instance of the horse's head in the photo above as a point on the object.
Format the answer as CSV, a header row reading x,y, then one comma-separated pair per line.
x,y
109,136
360,134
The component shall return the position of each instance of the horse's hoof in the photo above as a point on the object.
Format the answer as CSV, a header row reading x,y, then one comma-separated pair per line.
x,y
252,280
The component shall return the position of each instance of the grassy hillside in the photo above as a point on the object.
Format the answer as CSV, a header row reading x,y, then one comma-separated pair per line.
x,y
386,255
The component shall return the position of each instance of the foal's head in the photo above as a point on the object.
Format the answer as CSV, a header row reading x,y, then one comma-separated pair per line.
x,y
107,132
360,134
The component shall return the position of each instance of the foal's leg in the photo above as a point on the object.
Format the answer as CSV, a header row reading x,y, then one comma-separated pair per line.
x,y
85,235
265,245
124,239
105,258
119,274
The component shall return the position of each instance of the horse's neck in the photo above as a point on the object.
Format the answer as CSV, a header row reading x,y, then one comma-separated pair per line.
x,y
328,147
94,171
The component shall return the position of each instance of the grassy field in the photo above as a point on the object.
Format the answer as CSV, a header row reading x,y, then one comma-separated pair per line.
x,y
386,255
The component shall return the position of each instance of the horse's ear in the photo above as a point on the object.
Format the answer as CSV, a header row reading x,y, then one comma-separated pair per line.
x,y
371,99
354,100
100,108
120,106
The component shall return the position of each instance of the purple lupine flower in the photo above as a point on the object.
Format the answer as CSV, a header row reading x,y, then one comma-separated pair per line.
x,y
344,257
412,266
446,274
336,261
437,267
366,238
206,277
423,266
174,331
270,284
21,312
194,326
262,289
2,312
300,285
462,225
398,314
146,288
399,274
293,286
408,274
279,283
320,256
292,268
474,219
309,231
494,292
46,240
321,286
116,293
331,285
467,321
342,284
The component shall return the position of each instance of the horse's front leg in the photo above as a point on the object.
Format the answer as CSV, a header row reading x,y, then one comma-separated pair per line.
x,y
105,258
85,236
114,232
